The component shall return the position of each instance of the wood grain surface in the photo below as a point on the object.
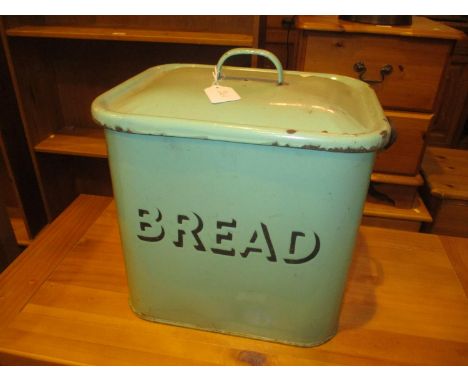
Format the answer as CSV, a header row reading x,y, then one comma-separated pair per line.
x,y
421,27
82,142
19,228
446,172
417,64
27,273
446,190
418,213
404,305
405,155
126,34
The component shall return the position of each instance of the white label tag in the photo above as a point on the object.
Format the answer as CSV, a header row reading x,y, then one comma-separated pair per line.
x,y
218,94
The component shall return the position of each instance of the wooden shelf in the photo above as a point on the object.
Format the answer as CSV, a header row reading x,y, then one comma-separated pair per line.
x,y
401,180
20,231
81,142
126,34
19,226
60,63
418,213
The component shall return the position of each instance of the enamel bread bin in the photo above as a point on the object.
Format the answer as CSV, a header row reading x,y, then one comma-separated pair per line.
x,y
239,214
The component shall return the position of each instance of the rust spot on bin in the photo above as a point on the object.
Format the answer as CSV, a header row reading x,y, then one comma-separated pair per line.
x,y
311,147
291,131
325,131
252,358
278,145
119,129
356,150
361,149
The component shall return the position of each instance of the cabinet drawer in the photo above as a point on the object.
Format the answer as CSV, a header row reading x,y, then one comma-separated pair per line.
x,y
417,64
405,156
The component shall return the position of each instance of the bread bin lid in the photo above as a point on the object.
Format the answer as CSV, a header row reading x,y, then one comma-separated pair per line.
x,y
293,109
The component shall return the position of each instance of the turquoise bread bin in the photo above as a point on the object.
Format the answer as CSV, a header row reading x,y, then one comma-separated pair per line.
x,y
240,217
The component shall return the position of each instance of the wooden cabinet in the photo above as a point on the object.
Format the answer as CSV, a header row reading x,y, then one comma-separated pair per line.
x,y
405,66
61,63
417,65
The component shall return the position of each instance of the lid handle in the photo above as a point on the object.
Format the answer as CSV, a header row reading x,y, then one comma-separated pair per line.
x,y
251,51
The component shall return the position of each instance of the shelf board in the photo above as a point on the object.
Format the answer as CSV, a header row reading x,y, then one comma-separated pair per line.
x,y
402,180
79,142
418,213
126,34
19,226
20,231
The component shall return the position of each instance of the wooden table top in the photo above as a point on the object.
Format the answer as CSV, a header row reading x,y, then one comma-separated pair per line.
x,y
65,301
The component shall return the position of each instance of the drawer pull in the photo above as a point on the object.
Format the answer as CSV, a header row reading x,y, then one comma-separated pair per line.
x,y
361,69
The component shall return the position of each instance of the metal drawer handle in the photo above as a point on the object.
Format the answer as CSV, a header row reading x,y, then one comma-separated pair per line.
x,y
251,51
361,69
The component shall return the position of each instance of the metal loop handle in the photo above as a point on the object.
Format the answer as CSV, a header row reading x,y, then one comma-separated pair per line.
x,y
361,69
251,51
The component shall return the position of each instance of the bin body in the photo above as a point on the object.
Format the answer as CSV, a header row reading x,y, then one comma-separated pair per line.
x,y
234,236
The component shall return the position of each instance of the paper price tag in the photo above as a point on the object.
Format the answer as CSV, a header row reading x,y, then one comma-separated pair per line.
x,y
219,94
